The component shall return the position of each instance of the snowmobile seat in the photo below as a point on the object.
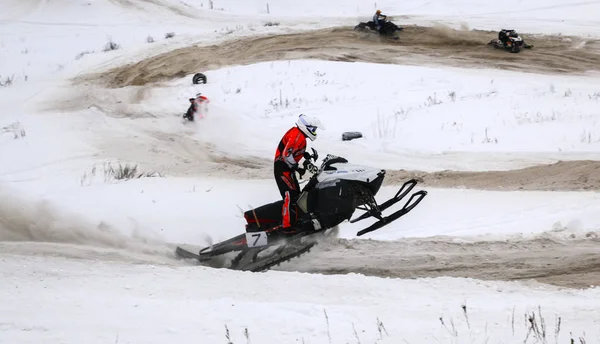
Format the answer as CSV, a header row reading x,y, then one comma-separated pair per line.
x,y
265,216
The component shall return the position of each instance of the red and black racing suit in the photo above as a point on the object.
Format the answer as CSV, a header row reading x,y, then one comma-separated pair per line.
x,y
289,152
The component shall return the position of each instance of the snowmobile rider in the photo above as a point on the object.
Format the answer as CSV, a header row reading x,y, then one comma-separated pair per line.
x,y
291,149
504,35
194,102
379,19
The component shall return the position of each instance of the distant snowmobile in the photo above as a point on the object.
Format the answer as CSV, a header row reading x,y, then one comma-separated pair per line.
x,y
387,29
509,40
332,195
198,107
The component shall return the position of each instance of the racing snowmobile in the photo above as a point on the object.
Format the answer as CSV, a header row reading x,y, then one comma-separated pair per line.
x,y
387,29
509,40
332,194
197,107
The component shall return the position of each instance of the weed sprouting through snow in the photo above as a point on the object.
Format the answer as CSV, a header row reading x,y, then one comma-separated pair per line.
x,y
327,321
82,54
431,101
16,129
513,321
111,45
355,334
588,137
464,308
557,322
536,326
8,81
121,172
452,96
247,335
386,126
534,330
488,139
227,336
452,331
381,329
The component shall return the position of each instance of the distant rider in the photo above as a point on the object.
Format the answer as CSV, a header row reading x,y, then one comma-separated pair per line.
x,y
290,151
197,106
504,35
379,19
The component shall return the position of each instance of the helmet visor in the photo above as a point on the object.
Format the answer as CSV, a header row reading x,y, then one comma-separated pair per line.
x,y
312,129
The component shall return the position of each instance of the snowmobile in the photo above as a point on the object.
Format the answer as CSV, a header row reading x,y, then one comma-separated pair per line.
x,y
332,194
509,40
387,29
196,104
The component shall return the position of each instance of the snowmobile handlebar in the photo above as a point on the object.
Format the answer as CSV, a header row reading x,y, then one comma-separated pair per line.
x,y
313,157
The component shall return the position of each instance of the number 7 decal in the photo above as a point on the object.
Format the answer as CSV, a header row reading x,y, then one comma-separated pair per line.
x,y
256,239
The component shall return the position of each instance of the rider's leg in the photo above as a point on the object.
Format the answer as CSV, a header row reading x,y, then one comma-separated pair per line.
x,y
289,190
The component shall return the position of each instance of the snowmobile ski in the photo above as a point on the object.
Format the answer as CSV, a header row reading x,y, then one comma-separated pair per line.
x,y
408,206
185,254
409,185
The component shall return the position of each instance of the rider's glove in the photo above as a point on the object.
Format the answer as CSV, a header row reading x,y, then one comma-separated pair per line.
x,y
301,172
310,167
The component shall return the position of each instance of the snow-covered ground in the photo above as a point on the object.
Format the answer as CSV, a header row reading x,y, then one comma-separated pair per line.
x,y
73,301
190,210
413,118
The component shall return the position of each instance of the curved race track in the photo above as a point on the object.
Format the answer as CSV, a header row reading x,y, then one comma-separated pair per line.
x,y
569,262
416,45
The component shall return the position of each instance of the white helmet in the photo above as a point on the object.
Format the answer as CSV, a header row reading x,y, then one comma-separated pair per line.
x,y
308,126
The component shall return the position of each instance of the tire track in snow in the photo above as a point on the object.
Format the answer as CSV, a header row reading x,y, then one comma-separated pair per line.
x,y
560,176
559,258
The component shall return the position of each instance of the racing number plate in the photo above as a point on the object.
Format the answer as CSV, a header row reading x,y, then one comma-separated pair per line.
x,y
256,239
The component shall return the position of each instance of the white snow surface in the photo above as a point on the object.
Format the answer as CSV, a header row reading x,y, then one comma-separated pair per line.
x,y
411,117
74,301
194,210
73,280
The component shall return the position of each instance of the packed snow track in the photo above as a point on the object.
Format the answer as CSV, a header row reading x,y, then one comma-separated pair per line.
x,y
416,46
549,258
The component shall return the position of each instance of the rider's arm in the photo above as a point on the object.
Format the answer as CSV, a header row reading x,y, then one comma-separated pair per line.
x,y
292,147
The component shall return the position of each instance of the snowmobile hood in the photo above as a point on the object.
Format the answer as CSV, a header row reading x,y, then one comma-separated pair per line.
x,y
345,171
